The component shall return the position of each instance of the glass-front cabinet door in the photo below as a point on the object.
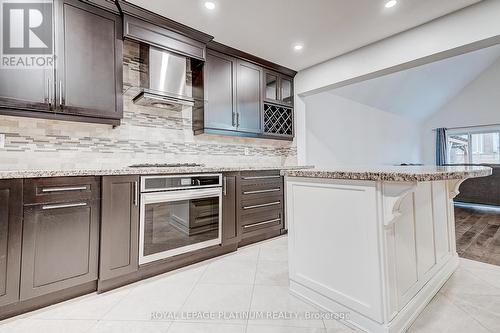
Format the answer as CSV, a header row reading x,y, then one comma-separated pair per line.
x,y
27,67
286,94
278,88
271,86
177,222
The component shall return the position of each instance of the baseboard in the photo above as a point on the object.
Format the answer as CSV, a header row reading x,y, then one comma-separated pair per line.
x,y
39,302
401,322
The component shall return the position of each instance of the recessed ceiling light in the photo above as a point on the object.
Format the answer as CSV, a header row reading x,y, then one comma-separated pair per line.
x,y
298,47
391,3
209,5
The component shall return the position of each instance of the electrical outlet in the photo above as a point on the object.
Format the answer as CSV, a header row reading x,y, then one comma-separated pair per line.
x,y
247,151
2,141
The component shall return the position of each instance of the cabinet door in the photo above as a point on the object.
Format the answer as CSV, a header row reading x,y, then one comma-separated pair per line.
x,y
286,90
220,91
119,226
24,85
11,218
230,230
89,50
249,97
60,247
271,86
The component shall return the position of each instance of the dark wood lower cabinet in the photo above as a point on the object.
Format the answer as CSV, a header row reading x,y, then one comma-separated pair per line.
x,y
230,227
60,246
11,219
52,244
119,226
260,206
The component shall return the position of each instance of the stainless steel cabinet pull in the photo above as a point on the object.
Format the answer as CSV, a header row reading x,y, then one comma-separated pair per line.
x,y
262,191
64,189
61,100
49,97
263,205
261,177
261,223
225,186
136,194
80,204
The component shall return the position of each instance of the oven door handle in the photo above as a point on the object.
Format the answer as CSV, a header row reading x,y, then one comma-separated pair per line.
x,y
168,196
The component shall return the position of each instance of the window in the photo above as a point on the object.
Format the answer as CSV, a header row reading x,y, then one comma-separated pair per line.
x,y
474,146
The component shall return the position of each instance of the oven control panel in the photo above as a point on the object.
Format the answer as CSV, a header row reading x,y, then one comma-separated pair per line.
x,y
177,182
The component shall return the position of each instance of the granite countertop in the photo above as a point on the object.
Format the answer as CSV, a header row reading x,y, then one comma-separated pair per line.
x,y
41,173
394,173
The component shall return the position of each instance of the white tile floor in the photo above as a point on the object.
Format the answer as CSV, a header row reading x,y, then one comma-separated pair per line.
x,y
255,278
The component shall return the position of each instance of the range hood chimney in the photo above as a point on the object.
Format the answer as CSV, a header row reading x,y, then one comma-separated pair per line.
x,y
164,83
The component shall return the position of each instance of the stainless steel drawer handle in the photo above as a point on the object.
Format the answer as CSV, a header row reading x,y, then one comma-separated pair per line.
x,y
80,204
136,193
261,177
261,223
61,99
262,191
263,205
64,189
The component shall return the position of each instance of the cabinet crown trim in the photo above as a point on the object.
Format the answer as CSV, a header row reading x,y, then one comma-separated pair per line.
x,y
213,45
148,16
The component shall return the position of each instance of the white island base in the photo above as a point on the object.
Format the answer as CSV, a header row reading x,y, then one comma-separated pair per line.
x,y
376,250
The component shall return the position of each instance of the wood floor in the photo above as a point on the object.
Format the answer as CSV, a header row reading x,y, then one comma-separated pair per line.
x,y
478,233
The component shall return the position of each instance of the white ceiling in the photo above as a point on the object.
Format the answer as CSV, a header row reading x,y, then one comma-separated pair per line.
x,y
421,91
327,28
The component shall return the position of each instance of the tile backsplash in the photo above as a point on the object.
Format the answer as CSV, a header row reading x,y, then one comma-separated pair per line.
x,y
145,135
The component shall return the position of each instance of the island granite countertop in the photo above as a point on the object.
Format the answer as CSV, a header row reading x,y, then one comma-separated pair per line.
x,y
42,173
394,173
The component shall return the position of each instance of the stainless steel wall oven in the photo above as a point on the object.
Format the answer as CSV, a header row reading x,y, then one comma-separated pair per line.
x,y
179,214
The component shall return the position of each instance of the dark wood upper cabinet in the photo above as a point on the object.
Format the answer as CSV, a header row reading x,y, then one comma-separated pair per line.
x,y
60,238
244,96
11,219
220,91
278,88
162,37
89,61
119,226
248,97
85,81
28,88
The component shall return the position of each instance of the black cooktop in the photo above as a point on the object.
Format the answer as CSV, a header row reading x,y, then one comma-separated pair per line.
x,y
166,165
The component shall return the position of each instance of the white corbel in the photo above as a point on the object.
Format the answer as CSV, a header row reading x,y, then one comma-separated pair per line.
x,y
393,194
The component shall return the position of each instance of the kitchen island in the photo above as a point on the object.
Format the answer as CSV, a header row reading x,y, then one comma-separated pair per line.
x,y
373,244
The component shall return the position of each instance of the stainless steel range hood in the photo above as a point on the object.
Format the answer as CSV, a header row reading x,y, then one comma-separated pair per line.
x,y
164,84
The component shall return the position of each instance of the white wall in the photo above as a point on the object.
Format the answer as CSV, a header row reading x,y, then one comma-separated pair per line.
x,y
477,104
343,132
470,25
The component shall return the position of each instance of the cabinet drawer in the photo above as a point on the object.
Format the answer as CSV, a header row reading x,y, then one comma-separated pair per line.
x,y
262,220
252,202
61,189
256,210
261,216
261,178
251,193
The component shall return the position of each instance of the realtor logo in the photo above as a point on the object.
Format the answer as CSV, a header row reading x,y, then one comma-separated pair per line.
x,y
27,34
